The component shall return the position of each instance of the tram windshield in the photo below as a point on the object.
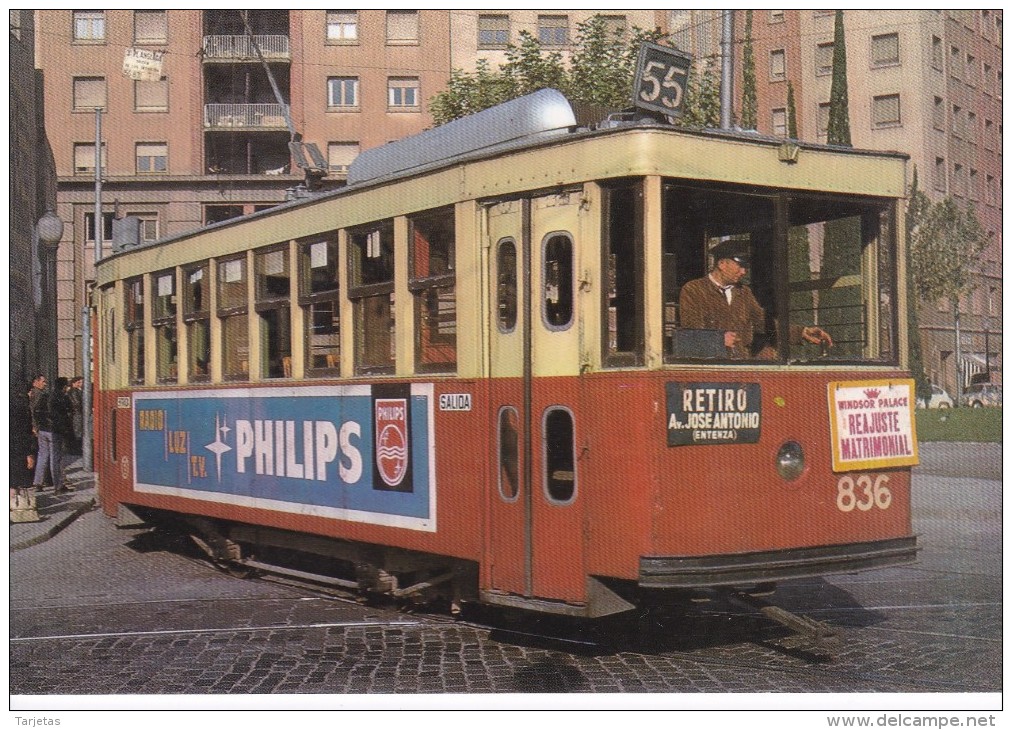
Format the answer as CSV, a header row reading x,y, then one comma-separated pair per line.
x,y
819,280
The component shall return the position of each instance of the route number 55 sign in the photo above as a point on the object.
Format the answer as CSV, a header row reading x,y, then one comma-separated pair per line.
x,y
661,76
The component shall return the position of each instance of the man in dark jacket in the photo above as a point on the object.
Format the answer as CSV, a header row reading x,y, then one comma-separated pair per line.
x,y
50,442
719,301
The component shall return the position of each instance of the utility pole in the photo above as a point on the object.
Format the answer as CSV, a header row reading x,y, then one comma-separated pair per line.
x,y
87,455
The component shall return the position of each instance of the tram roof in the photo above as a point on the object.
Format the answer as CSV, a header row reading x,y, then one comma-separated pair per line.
x,y
541,119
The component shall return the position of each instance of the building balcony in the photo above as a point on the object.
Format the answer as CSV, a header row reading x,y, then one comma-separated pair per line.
x,y
230,48
251,117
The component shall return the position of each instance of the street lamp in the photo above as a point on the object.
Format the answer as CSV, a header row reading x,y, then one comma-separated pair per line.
x,y
49,231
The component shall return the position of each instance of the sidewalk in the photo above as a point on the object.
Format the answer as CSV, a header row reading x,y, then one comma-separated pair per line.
x,y
57,511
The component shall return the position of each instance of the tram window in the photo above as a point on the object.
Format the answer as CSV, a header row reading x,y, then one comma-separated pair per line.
x,y
509,454
273,297
163,319
371,289
197,320
233,306
433,285
623,336
815,261
559,455
842,273
557,276
320,302
133,322
506,287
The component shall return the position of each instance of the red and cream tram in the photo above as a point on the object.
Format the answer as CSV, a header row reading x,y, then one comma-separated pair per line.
x,y
465,371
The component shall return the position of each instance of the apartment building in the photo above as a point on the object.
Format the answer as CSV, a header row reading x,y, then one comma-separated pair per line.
x,y
207,137
924,82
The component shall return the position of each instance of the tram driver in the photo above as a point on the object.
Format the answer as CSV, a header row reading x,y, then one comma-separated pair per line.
x,y
720,301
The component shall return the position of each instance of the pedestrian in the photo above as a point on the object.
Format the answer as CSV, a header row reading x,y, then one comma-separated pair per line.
x,y
76,395
62,420
50,455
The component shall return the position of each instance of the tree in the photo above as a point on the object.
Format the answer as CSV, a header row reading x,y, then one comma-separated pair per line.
x,y
702,97
749,102
918,206
945,245
839,117
600,72
792,113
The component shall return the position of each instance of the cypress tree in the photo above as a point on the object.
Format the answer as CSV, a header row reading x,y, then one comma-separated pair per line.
x,y
839,122
792,113
749,102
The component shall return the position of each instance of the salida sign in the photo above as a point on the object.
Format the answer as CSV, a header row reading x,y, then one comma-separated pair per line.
x,y
872,424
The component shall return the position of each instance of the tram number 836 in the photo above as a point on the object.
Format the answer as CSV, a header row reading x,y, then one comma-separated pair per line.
x,y
863,493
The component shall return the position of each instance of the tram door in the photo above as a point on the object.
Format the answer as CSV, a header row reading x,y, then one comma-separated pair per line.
x,y
535,545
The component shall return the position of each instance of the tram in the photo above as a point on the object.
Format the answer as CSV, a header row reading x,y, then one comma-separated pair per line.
x,y
464,374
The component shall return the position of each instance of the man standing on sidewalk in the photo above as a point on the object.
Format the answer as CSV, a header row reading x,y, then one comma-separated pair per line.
x,y
50,447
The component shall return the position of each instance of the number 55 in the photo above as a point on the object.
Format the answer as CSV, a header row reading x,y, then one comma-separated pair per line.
x,y
657,85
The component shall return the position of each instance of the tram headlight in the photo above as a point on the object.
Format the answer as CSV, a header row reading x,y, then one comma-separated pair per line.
x,y
790,460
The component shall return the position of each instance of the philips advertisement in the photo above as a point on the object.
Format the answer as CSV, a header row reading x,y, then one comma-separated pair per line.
x,y
363,453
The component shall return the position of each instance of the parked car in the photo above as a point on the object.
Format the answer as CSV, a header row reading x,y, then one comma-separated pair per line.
x,y
978,395
939,399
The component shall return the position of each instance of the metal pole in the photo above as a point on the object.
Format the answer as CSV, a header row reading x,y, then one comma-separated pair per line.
x,y
86,445
98,185
726,67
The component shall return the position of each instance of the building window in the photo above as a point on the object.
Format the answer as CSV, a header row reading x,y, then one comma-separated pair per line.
x,y
958,128
342,92
163,320
493,31
885,111
319,296
402,27
987,78
89,93
273,305
150,26
402,93
371,290
148,226
988,132
779,117
615,26
823,120
340,155
971,69
971,127
197,322
823,59
84,158
89,26
958,180
776,16
233,305
938,114
342,26
432,282
133,322
974,185
553,30
938,179
152,157
955,63
778,65
936,53
885,50
151,96
89,226
990,191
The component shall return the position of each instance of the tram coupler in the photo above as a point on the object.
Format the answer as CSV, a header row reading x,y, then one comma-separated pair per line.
x,y
817,632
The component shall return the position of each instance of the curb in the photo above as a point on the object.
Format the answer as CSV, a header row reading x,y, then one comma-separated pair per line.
x,y
58,526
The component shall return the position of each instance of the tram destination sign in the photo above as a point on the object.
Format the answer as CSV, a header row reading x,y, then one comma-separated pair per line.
x,y
662,74
708,414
